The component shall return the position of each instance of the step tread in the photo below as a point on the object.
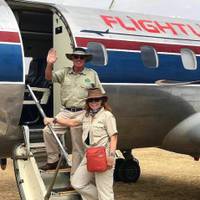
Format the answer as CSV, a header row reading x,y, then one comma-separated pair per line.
x,y
32,130
67,169
37,145
64,190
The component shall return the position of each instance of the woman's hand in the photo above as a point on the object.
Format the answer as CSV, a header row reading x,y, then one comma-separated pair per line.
x,y
110,161
48,120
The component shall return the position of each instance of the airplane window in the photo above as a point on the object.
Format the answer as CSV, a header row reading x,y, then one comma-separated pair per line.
x,y
188,58
99,53
149,57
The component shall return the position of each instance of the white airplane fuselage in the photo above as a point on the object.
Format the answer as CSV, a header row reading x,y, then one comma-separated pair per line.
x,y
141,50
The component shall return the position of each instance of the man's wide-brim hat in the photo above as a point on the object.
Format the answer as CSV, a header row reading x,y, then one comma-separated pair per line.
x,y
81,52
95,93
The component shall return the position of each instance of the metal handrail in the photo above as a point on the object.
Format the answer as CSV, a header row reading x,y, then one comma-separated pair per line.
x,y
48,194
65,154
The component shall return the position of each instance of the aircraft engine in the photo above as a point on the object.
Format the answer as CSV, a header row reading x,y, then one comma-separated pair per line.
x,y
185,137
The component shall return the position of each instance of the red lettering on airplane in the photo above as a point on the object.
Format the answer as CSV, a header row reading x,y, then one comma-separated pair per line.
x,y
148,26
130,24
134,23
123,25
109,20
181,27
193,30
165,27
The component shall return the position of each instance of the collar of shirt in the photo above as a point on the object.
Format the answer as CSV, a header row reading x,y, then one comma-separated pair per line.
x,y
83,72
98,113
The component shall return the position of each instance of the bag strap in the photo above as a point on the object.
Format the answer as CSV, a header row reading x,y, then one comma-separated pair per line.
x,y
103,138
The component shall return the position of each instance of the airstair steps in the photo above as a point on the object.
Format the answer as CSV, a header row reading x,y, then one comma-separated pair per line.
x,y
34,183
62,189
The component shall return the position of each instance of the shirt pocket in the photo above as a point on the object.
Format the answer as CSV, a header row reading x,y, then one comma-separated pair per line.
x,y
98,129
86,124
83,89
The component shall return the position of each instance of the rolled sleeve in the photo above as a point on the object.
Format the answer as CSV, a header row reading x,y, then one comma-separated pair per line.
x,y
80,117
58,76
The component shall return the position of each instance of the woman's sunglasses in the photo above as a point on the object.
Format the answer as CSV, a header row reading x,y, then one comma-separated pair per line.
x,y
94,100
82,57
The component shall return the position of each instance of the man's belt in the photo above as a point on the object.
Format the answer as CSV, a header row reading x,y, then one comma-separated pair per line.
x,y
74,109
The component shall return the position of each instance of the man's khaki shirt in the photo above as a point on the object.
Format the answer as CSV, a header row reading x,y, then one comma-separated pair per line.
x,y
74,86
99,128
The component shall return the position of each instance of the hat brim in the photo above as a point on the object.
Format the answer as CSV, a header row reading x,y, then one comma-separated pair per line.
x,y
88,57
97,97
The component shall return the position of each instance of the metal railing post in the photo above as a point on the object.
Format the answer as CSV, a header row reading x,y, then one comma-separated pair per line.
x,y
65,154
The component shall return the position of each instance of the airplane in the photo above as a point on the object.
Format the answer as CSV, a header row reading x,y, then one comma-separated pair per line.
x,y
149,67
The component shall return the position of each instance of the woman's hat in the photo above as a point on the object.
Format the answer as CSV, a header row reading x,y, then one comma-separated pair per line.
x,y
95,93
81,52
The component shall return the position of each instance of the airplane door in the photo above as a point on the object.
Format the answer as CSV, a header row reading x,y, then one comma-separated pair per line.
x,y
63,44
11,79
67,27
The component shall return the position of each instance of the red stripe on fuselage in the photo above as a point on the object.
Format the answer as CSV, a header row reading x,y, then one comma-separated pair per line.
x,y
135,45
9,37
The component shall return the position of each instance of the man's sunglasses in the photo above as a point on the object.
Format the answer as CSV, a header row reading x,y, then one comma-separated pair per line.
x,y
82,57
94,100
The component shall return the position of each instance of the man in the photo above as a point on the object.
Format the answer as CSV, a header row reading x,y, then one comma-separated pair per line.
x,y
75,82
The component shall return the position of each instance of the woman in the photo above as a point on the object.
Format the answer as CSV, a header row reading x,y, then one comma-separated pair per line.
x,y
99,129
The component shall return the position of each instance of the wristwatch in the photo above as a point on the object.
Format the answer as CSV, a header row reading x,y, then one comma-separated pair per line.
x,y
55,120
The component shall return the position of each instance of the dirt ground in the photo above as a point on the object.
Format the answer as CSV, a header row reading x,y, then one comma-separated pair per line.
x,y
165,176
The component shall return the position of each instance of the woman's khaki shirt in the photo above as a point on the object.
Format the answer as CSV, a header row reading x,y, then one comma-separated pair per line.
x,y
99,128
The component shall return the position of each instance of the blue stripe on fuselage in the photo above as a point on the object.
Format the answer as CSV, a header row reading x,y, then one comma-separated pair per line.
x,y
11,63
127,67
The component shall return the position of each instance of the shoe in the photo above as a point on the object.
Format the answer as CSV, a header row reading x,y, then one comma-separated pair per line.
x,y
3,163
49,166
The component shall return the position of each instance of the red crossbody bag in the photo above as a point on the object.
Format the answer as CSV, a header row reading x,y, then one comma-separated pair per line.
x,y
96,159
